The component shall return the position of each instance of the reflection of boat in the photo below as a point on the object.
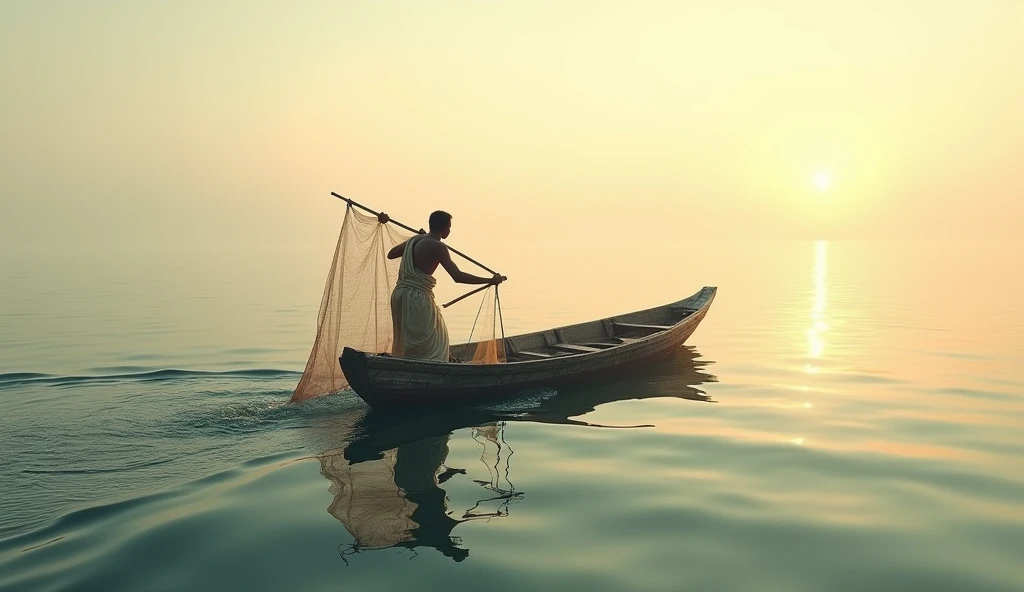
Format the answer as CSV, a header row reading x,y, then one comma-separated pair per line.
x,y
396,500
387,477
677,375
555,356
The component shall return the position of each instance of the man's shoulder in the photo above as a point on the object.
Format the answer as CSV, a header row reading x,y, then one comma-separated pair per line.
x,y
434,244
431,246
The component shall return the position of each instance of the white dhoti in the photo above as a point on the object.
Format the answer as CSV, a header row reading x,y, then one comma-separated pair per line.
x,y
419,329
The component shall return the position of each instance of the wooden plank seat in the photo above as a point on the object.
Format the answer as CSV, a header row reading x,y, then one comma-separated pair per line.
x,y
638,326
572,347
600,344
530,354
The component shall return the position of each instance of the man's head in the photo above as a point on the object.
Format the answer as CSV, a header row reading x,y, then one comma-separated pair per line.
x,y
441,223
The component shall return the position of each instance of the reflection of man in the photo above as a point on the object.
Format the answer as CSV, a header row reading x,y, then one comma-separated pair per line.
x,y
395,500
419,329
416,473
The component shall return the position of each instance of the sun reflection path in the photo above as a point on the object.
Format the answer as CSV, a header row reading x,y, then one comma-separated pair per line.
x,y
815,337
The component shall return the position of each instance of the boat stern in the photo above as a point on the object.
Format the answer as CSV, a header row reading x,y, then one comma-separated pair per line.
x,y
356,367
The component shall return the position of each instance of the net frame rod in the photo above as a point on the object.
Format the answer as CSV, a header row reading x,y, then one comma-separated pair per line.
x,y
467,295
352,202
497,302
471,331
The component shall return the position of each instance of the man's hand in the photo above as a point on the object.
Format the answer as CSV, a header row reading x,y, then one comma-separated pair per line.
x,y
383,218
497,279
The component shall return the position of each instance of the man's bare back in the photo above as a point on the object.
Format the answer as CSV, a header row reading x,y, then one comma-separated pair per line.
x,y
428,254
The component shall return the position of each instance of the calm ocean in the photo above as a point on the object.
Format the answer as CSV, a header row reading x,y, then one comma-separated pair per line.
x,y
849,416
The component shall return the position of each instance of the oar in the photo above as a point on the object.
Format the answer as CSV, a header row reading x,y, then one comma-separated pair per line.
x,y
410,229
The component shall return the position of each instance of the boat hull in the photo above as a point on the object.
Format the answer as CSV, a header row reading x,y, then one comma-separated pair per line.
x,y
387,382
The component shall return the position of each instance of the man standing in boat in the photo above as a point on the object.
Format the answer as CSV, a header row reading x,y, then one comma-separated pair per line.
x,y
419,328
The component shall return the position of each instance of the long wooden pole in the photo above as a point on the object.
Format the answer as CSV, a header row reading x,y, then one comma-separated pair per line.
x,y
399,224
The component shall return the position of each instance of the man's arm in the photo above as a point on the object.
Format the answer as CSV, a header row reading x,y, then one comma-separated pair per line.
x,y
397,251
461,277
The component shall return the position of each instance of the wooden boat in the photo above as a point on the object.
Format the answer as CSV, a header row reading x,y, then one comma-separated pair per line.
x,y
544,358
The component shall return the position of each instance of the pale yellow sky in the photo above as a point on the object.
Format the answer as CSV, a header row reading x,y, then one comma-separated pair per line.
x,y
168,123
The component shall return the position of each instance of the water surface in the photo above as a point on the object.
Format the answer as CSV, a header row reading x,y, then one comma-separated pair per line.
x,y
848,416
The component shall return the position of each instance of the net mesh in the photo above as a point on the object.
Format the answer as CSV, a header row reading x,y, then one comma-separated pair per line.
x,y
489,349
355,310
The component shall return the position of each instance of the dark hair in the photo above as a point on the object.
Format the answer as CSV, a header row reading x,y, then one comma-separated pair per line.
x,y
440,220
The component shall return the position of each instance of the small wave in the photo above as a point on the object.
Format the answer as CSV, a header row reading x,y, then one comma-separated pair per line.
x,y
22,378
261,413
17,539
520,402
71,521
972,393
97,471
236,417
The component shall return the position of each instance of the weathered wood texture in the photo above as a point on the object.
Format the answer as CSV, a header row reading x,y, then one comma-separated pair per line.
x,y
542,358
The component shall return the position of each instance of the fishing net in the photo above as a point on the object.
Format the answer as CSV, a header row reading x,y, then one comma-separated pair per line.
x,y
355,310
488,349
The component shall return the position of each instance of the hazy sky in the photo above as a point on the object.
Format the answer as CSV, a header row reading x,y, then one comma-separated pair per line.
x,y
167,123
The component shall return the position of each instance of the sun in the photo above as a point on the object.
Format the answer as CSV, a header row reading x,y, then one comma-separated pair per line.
x,y
822,180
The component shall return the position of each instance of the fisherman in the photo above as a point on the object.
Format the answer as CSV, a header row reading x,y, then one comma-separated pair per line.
x,y
419,329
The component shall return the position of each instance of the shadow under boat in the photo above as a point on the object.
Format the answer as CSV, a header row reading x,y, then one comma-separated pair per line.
x,y
386,478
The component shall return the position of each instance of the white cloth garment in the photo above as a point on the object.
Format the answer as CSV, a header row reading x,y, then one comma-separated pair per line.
x,y
419,329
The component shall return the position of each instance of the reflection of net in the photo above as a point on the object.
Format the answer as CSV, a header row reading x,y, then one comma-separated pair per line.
x,y
368,501
355,310
490,451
